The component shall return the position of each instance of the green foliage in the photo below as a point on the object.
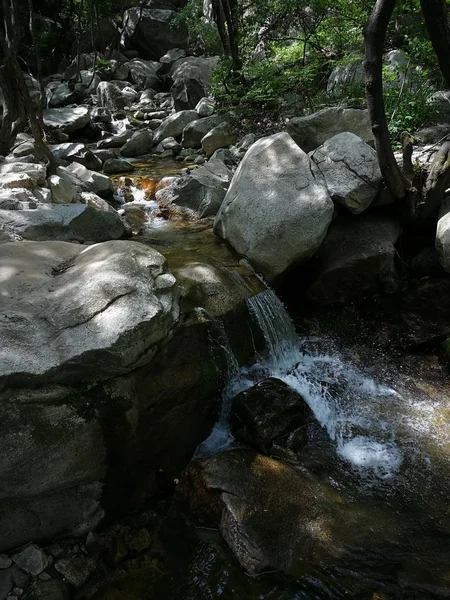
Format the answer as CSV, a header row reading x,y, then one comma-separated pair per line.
x,y
203,34
405,96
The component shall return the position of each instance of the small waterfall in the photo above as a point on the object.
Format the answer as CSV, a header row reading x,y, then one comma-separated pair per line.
x,y
345,402
276,326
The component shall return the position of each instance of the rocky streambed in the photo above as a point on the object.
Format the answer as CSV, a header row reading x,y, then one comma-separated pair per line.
x,y
143,359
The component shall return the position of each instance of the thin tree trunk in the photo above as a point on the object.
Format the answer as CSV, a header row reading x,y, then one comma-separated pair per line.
x,y
375,34
38,57
435,13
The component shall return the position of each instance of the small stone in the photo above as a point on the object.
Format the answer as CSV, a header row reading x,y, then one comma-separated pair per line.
x,y
12,597
44,576
200,160
18,591
32,560
5,561
76,570
139,541
55,550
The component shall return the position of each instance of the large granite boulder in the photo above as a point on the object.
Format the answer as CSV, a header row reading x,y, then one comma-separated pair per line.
x,y
277,209
443,235
152,33
144,73
67,222
191,78
203,190
89,181
346,76
66,120
220,136
356,259
312,131
350,169
174,125
73,315
196,130
82,312
141,142
36,171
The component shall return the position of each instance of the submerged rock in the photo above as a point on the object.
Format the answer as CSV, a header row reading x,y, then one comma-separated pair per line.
x,y
277,209
266,412
269,514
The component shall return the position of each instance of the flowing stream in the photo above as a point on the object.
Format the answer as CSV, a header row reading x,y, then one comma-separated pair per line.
x,y
388,428
342,399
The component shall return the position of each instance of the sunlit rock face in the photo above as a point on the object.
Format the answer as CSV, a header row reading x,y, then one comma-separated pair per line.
x,y
277,209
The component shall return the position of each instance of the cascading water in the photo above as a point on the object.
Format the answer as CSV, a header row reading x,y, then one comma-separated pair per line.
x,y
346,403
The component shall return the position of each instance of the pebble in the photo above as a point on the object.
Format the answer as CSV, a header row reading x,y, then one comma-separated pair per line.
x,y
76,570
5,561
31,559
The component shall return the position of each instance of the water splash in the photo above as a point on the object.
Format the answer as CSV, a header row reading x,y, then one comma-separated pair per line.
x,y
345,402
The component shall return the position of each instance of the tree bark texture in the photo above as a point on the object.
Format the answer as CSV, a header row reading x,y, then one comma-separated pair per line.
x,y
435,13
375,35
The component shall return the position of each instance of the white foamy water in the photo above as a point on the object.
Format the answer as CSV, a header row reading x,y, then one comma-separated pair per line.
x,y
347,403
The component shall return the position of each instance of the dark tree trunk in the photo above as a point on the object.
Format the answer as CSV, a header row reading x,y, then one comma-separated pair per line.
x,y
435,13
375,34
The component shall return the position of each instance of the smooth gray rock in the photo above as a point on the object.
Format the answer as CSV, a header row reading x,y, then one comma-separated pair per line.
x,y
61,95
152,33
144,73
440,103
21,180
345,76
350,169
115,141
174,125
36,171
277,209
115,301
31,560
63,191
191,78
116,166
203,190
443,235
220,136
196,130
110,96
67,120
87,82
100,114
141,142
91,180
63,222
76,570
312,131
356,259
205,107
5,561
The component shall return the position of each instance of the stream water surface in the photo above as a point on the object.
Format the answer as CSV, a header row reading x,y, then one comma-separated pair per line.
x,y
389,433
